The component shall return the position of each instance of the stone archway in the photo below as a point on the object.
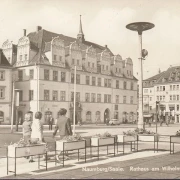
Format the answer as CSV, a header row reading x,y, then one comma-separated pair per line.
x,y
106,115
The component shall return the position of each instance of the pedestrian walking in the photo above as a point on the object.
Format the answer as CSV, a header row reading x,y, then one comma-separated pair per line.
x,y
51,120
37,129
63,124
27,130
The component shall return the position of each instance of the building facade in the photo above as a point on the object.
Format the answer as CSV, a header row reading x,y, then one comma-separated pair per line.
x,y
44,72
164,88
5,89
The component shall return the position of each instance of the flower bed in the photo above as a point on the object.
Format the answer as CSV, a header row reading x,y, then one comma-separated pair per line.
x,y
102,139
175,139
23,148
126,138
71,143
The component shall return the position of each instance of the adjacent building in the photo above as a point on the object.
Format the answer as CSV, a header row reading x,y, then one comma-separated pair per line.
x,y
44,73
164,88
5,89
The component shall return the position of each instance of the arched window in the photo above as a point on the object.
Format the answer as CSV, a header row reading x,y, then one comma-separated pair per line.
x,y
98,115
1,116
88,116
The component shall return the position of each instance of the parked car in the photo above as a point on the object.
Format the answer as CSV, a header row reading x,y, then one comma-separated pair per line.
x,y
114,122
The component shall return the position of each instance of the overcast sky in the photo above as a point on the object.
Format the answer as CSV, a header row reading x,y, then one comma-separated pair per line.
x,y
103,23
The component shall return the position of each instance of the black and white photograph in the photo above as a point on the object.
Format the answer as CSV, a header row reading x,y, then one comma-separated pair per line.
x,y
90,89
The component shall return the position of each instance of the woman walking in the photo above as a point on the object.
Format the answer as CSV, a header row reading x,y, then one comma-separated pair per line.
x,y
64,126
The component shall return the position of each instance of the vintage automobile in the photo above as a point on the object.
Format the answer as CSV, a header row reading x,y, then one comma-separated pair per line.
x,y
114,122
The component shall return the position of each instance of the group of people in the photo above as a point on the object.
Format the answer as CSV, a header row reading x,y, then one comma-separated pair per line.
x,y
33,128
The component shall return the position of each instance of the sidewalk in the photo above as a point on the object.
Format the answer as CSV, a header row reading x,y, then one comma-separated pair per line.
x,y
120,166
141,165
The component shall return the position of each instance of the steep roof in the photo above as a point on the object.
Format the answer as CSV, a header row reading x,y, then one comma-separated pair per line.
x,y
3,60
157,76
42,39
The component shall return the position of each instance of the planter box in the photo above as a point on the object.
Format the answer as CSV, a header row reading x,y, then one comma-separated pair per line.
x,y
96,141
26,151
125,138
148,137
71,145
175,139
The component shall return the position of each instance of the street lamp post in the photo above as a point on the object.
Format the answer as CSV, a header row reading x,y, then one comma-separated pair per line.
x,y
74,100
140,27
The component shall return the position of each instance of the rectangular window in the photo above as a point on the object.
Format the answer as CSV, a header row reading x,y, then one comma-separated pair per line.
x,y
72,96
93,65
177,87
107,68
31,73
171,87
89,65
46,95
131,100
55,75
78,62
105,82
93,97
54,57
63,96
150,98
157,98
2,75
60,58
25,57
21,95
132,85
103,67
109,82
31,95
98,97
160,98
109,98
20,57
174,97
163,98
170,97
124,99
77,96
20,75
93,81
2,92
55,96
150,107
99,81
125,85
46,74
158,88
63,76
177,107
117,84
174,87
164,88
72,78
117,99
77,78
116,107
177,97
87,96
87,80
105,98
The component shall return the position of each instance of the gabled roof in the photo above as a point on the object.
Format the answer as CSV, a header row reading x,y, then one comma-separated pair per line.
x,y
157,76
3,60
42,39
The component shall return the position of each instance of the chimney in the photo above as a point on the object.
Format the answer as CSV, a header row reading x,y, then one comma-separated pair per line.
x,y
38,28
106,46
24,32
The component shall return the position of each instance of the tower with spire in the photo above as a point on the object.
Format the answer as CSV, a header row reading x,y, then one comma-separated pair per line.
x,y
80,36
